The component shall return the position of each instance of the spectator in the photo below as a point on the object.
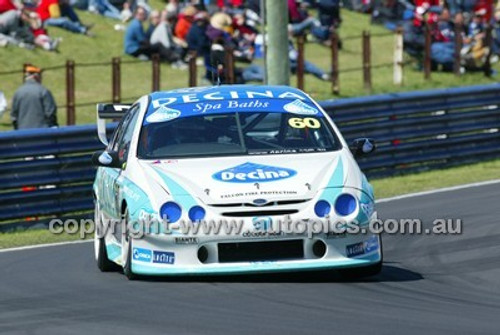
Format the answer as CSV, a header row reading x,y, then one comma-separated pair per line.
x,y
51,15
184,22
198,40
33,105
162,35
137,41
309,67
220,28
23,28
217,71
104,8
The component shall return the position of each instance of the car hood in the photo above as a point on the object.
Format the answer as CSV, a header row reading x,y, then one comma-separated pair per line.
x,y
254,178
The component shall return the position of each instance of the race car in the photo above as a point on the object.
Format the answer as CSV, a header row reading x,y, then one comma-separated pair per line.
x,y
221,171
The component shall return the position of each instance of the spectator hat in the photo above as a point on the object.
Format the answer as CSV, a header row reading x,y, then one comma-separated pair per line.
x,y
31,69
221,21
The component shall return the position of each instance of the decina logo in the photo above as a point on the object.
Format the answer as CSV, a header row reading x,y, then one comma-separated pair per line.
x,y
251,173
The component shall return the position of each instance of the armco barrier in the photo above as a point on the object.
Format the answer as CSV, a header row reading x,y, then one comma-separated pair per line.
x,y
47,173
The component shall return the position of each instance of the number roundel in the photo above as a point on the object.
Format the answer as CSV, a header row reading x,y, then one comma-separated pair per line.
x,y
299,123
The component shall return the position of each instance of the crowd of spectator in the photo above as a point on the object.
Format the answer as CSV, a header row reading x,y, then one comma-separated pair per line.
x,y
445,19
209,27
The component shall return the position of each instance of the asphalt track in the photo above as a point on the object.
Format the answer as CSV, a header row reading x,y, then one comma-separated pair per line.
x,y
429,284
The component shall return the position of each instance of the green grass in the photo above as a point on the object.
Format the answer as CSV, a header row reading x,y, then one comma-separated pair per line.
x,y
33,237
94,83
384,188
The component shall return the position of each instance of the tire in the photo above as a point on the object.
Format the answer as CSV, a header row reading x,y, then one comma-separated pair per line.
x,y
127,267
103,262
127,245
101,254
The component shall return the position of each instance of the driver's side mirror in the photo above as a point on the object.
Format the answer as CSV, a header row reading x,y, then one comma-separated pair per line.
x,y
362,146
106,159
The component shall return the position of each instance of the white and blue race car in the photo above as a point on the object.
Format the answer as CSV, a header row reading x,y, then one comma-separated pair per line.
x,y
230,180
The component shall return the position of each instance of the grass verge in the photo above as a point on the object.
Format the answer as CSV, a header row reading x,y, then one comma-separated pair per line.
x,y
384,188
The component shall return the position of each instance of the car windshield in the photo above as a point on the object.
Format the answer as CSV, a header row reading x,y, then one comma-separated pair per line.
x,y
225,134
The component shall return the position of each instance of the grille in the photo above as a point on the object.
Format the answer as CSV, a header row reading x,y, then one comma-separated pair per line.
x,y
260,213
260,251
272,203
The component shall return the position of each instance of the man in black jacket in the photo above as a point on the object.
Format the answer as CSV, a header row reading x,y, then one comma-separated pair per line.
x,y
33,105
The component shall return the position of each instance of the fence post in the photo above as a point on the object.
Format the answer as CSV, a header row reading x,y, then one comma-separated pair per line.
x,y
116,80
457,64
488,40
70,92
367,75
192,68
335,62
427,52
229,66
398,57
300,62
156,72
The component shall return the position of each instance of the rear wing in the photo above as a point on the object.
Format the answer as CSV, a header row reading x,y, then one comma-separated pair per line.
x,y
108,111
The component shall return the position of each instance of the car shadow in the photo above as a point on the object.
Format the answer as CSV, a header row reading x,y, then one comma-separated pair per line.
x,y
389,273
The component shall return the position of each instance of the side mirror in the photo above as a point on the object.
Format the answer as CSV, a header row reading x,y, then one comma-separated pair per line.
x,y
106,159
362,146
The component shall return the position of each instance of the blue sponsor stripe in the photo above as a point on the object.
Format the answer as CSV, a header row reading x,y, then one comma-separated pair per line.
x,y
178,193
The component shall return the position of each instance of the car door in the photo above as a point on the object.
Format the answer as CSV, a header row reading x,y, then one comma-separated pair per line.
x,y
121,146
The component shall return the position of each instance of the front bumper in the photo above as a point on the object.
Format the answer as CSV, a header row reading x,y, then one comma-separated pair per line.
x,y
340,252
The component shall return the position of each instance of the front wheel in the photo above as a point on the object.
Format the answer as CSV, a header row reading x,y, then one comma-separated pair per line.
x,y
101,254
127,266
127,245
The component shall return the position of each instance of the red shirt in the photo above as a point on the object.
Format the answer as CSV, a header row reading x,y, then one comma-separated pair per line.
x,y
6,5
43,8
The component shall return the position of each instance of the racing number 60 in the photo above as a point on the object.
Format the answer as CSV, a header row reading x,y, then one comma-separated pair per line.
x,y
296,122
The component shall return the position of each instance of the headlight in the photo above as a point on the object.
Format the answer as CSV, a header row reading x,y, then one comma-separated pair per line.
x,y
345,204
196,213
322,208
171,211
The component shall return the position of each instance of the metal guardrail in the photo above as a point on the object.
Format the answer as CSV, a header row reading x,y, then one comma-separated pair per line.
x,y
47,173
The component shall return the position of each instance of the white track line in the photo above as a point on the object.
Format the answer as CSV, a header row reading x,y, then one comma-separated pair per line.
x,y
36,246
399,197
439,190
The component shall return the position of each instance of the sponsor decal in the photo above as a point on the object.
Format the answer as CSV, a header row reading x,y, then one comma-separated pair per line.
x,y
301,108
353,250
262,223
130,193
163,257
332,234
367,209
186,240
203,107
163,114
142,255
251,173
196,96
361,248
256,193
259,234
371,244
